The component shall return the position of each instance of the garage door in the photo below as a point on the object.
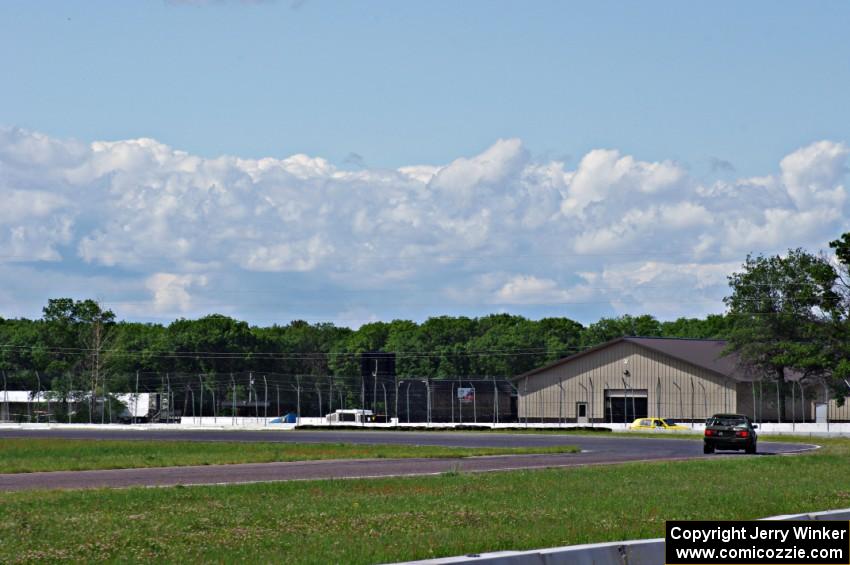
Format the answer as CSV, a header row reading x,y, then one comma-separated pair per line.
x,y
625,405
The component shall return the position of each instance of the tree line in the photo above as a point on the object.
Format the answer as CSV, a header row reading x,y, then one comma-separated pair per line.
x,y
785,313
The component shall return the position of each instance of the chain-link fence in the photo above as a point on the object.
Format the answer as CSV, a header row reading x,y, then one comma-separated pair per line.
x,y
171,397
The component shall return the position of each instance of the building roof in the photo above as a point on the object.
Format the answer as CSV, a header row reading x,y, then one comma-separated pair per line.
x,y
704,353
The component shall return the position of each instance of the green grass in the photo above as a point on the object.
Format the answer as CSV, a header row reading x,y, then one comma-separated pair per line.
x,y
369,521
29,455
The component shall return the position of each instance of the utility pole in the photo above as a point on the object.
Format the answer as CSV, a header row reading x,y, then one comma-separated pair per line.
x,y
395,378
375,389
298,400
362,398
452,396
136,403
186,402
386,406
201,401
42,397
407,395
193,401
319,392
495,402
233,399
265,401
103,404
252,389
38,393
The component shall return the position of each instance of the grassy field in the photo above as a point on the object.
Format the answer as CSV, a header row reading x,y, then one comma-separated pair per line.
x,y
369,521
29,455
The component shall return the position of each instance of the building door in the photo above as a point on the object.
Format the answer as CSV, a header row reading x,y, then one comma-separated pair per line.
x,y
625,405
820,413
581,412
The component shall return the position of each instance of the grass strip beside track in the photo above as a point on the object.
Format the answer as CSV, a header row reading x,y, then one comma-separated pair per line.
x,y
41,454
382,520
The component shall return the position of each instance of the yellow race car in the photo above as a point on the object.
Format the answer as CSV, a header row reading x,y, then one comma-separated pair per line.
x,y
657,424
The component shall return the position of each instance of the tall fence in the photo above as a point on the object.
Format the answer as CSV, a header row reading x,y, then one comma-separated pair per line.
x,y
620,401
172,396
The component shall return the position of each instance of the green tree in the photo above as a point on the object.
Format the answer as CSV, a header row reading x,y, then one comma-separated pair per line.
x,y
838,344
76,336
607,329
780,307
714,326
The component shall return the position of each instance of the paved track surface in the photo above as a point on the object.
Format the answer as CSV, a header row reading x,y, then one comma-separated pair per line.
x,y
595,450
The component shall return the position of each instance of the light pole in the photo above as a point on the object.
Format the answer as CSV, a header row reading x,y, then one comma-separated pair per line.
x,y
6,397
407,395
136,402
193,400
233,399
681,404
395,378
626,399
561,400
585,396
590,407
427,400
495,402
168,397
375,389
38,395
386,407
297,400
319,393
201,400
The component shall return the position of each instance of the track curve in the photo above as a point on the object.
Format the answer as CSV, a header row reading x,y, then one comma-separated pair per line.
x,y
596,450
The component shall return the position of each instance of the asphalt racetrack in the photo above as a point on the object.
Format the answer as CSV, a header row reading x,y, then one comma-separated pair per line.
x,y
596,450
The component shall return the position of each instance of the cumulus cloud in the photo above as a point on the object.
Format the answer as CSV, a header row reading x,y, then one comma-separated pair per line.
x,y
495,228
171,292
523,289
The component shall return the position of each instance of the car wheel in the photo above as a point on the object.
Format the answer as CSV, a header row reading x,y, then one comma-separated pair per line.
x,y
707,448
751,449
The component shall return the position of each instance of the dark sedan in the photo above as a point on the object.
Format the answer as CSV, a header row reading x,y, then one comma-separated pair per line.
x,y
729,431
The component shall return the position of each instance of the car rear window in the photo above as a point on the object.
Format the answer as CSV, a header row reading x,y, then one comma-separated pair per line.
x,y
728,421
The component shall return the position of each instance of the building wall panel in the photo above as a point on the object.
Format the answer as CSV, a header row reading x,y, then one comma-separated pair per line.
x,y
675,389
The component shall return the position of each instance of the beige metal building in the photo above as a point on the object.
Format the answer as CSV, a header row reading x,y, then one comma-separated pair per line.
x,y
681,379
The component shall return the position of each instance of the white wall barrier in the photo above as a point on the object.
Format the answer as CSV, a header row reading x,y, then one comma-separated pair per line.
x,y
806,430
634,552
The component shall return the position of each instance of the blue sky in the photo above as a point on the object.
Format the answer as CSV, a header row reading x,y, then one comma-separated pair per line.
x,y
408,82
695,99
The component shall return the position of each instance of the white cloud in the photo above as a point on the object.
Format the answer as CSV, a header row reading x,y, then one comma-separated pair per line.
x,y
813,174
528,289
171,292
604,174
494,228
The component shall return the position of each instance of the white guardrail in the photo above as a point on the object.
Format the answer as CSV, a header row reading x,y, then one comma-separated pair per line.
x,y
634,552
